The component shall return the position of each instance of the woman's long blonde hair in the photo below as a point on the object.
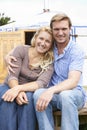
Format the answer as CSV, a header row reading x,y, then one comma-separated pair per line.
x,y
48,56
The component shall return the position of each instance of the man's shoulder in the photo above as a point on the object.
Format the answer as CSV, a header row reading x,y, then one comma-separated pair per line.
x,y
75,46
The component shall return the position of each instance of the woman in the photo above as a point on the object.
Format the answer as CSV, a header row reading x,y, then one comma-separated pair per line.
x,y
34,70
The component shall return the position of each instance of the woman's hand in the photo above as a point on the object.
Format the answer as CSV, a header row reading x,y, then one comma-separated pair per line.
x,y
22,98
10,94
9,64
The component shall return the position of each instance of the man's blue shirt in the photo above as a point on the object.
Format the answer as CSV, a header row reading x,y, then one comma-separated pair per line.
x,y
72,58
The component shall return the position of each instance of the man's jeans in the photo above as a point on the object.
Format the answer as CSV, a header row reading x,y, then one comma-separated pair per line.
x,y
68,102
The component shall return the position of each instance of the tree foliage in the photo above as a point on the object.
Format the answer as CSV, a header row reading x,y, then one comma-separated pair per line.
x,y
4,20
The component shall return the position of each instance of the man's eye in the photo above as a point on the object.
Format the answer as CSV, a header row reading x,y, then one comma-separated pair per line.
x,y
64,29
56,29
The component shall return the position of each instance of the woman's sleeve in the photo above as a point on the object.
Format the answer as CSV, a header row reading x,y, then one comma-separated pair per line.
x,y
18,54
45,77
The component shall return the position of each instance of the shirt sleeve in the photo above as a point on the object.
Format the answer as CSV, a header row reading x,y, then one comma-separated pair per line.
x,y
18,53
77,60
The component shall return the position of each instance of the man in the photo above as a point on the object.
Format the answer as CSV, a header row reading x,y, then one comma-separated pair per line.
x,y
65,90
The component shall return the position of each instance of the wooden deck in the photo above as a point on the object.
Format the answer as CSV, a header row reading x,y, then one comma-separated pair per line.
x,y
82,117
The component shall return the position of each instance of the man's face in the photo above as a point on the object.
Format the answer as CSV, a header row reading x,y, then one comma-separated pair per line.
x,y
61,31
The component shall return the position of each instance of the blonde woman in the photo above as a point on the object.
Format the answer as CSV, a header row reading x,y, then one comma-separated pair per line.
x,y
34,68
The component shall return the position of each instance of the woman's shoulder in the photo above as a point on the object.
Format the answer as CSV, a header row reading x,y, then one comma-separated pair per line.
x,y
23,47
21,50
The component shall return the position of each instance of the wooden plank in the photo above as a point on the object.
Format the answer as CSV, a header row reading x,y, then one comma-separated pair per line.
x,y
8,40
82,117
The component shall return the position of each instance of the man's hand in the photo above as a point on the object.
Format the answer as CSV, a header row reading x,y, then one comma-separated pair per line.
x,y
9,64
44,100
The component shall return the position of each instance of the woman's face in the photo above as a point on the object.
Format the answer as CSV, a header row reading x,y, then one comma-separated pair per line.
x,y
43,42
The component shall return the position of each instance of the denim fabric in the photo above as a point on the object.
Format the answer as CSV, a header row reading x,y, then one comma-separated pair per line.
x,y
68,102
14,116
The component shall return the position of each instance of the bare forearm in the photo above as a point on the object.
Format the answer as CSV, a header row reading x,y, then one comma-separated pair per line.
x,y
65,85
32,86
12,83
68,84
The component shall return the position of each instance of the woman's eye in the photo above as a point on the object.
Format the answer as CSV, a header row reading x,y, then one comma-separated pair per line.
x,y
41,38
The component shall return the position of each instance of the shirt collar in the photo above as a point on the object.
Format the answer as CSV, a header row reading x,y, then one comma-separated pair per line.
x,y
56,56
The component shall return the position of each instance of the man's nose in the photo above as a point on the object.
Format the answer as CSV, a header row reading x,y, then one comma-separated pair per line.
x,y
60,32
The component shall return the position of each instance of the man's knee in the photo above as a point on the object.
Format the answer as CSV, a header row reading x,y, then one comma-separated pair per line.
x,y
66,97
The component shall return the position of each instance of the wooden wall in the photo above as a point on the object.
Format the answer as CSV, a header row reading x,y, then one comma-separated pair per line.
x,y
8,40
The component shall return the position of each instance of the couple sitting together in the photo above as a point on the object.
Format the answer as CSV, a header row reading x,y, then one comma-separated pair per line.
x,y
44,77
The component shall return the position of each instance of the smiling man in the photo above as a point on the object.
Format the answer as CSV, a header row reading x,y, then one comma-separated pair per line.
x,y
65,91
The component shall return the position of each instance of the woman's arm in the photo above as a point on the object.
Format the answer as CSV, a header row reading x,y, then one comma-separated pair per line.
x,y
16,89
12,78
12,93
42,81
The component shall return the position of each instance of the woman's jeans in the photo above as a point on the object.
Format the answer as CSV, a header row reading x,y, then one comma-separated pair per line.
x,y
68,102
14,116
